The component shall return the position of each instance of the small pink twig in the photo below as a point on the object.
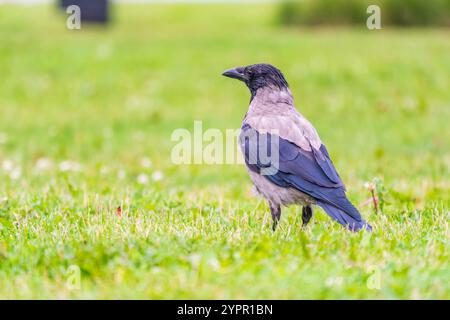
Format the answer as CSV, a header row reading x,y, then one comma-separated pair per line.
x,y
373,199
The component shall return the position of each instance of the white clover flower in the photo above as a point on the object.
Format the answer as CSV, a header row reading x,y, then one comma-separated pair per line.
x,y
43,164
142,178
104,170
214,264
195,259
69,165
15,173
146,163
157,175
369,185
121,174
7,165
334,281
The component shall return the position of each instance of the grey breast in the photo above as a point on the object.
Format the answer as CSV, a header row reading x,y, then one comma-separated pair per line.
x,y
278,195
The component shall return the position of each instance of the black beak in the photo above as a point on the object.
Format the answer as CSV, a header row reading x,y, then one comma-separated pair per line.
x,y
236,73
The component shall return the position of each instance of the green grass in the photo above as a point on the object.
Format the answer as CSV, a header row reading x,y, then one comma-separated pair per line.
x,y
107,99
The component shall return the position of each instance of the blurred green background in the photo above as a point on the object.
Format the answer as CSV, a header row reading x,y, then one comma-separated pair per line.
x,y
85,127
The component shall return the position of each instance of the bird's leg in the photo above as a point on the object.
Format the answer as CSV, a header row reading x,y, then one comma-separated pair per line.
x,y
307,213
275,210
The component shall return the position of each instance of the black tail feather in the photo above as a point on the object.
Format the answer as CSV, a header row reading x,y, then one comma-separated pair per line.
x,y
343,218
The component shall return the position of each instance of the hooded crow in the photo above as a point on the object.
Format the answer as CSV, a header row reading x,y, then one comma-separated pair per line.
x,y
285,158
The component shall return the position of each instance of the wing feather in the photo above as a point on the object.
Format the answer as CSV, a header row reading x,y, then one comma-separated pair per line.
x,y
309,170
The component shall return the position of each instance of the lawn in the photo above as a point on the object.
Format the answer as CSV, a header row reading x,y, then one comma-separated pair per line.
x,y
85,128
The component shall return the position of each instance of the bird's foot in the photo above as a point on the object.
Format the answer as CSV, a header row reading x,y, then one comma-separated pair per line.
x,y
274,225
276,215
307,214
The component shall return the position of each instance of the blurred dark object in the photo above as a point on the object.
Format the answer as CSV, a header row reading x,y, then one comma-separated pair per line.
x,y
91,10
353,12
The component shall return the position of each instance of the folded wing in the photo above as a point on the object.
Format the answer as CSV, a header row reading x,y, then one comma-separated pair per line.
x,y
310,171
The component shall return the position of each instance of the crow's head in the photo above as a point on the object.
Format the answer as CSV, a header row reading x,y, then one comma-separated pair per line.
x,y
258,76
